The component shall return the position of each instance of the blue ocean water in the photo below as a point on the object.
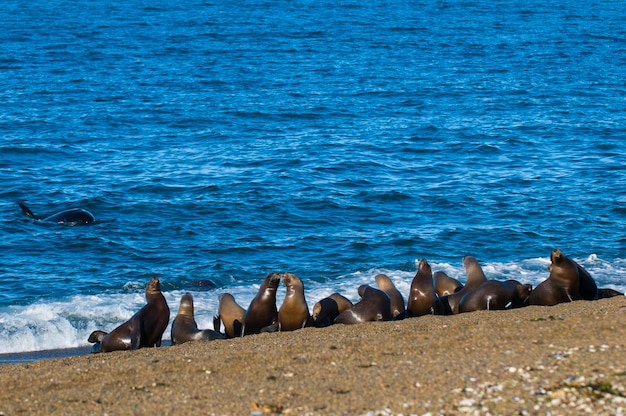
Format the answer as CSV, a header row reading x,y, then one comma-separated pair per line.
x,y
220,141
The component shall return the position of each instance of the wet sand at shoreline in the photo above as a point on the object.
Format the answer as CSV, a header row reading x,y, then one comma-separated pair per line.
x,y
565,359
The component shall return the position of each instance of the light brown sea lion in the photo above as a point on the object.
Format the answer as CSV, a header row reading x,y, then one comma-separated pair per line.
x,y
326,310
385,284
231,315
262,311
294,312
374,305
495,295
185,328
445,285
422,295
475,278
561,285
144,329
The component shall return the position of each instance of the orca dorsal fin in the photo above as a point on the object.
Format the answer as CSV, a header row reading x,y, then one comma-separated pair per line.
x,y
26,211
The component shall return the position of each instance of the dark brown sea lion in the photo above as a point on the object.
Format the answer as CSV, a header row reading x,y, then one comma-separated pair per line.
x,y
422,295
231,315
326,310
495,295
262,311
185,328
374,305
385,284
294,312
445,285
587,288
561,285
144,329
475,278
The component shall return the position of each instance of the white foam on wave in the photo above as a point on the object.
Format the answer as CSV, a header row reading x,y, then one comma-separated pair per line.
x,y
67,324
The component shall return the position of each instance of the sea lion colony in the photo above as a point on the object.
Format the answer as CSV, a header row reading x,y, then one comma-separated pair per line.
x,y
439,294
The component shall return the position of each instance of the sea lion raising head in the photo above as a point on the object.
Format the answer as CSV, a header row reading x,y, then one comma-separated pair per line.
x,y
561,285
422,295
262,311
144,329
294,312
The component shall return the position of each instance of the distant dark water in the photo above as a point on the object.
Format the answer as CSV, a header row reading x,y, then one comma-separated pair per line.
x,y
223,140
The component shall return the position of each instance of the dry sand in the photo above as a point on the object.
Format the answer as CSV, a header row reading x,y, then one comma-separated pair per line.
x,y
566,359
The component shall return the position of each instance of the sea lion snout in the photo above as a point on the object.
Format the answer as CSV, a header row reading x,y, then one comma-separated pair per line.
x,y
286,277
275,277
556,255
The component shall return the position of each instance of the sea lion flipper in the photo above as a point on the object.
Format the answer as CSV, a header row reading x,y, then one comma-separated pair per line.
x,y
271,328
217,323
211,335
604,293
237,328
134,336
402,315
26,211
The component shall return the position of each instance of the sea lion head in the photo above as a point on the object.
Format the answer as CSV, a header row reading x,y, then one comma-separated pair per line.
x,y
317,308
186,305
96,336
226,298
153,287
363,289
521,292
563,268
292,282
271,281
153,290
384,282
474,272
423,265
556,257
326,310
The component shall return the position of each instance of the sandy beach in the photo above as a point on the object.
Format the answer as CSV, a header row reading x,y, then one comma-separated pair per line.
x,y
566,359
